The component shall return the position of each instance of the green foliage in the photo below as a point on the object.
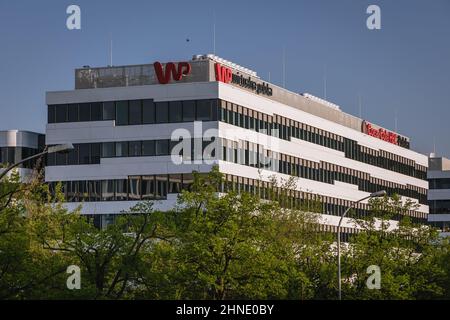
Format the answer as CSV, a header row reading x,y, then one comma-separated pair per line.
x,y
212,246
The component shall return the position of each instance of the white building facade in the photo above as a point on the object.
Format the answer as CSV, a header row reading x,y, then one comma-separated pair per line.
x,y
439,193
123,122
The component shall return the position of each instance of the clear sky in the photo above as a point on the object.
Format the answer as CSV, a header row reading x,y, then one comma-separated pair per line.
x,y
402,69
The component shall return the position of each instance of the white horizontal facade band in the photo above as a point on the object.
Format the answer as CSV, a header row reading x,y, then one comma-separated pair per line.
x,y
438,217
438,194
117,207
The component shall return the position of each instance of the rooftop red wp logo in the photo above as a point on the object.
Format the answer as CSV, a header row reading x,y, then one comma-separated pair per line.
x,y
223,74
177,72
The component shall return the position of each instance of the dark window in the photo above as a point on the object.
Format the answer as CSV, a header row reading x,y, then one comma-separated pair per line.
x,y
72,155
61,159
161,186
96,111
121,113
203,110
85,112
162,112
84,155
134,188
175,111
148,111
121,149
61,113
72,113
175,183
72,191
189,110
51,157
96,150
108,150
108,190
83,191
121,189
51,114
162,147
95,191
188,181
148,148
109,110
148,187
134,148
214,109
135,112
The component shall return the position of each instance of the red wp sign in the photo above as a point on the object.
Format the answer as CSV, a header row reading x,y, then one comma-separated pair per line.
x,y
177,71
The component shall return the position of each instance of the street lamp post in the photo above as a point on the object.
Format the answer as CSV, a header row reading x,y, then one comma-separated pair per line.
x,y
372,195
58,148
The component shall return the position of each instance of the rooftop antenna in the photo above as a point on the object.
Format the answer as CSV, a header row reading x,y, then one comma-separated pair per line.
x,y
325,81
110,50
360,106
214,32
434,145
396,121
284,66
269,77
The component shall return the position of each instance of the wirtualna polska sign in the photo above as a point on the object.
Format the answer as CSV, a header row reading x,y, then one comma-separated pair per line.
x,y
226,75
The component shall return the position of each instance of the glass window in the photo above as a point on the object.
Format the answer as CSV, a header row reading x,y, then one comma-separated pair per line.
x,y
85,112
61,159
109,110
51,157
108,190
72,156
148,148
96,111
72,191
175,111
121,113
175,183
121,189
72,113
203,110
61,113
135,112
121,149
95,192
134,148
51,114
214,109
134,188
83,191
162,147
108,150
84,153
162,112
188,181
96,150
148,111
148,187
189,110
161,186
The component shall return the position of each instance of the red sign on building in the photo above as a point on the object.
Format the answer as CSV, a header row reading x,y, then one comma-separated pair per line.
x,y
380,133
223,74
177,72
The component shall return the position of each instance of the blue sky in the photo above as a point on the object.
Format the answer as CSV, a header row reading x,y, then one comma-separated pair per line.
x,y
402,69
